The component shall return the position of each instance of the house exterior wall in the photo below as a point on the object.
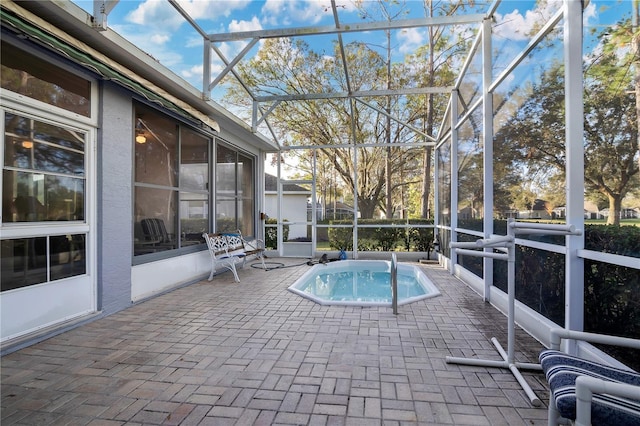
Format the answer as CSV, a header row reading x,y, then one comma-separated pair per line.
x,y
114,199
294,209
114,278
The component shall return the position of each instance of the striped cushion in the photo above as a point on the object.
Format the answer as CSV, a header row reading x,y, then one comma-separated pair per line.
x,y
562,370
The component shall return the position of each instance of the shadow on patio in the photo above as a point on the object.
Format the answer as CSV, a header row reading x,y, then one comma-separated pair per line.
x,y
253,353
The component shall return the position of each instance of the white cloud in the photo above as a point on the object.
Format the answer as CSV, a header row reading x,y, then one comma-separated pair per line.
x,y
212,9
161,14
253,25
518,27
155,14
159,39
286,12
589,12
410,39
154,44
193,75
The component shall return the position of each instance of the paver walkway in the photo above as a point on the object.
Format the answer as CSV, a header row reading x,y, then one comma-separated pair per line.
x,y
253,353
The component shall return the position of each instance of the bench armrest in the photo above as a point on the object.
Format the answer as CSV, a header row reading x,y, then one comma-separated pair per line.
x,y
586,386
557,334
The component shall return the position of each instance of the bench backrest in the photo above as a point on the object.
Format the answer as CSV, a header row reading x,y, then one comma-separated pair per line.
x,y
227,243
234,242
217,243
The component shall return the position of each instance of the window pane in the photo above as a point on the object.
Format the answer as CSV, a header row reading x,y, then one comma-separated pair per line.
x,y
225,171
194,167
234,191
529,137
30,144
194,217
470,173
24,262
539,280
444,183
156,159
155,220
67,256
225,214
36,197
246,194
38,79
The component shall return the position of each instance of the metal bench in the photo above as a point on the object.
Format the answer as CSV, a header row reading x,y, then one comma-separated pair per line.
x,y
230,249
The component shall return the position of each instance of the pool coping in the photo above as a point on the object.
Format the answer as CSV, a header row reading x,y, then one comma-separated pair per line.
x,y
432,290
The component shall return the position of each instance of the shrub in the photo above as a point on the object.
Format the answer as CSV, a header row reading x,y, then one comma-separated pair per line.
x,y
271,233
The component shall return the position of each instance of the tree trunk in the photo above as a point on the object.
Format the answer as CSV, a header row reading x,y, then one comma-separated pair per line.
x,y
426,182
387,163
635,48
428,121
615,208
366,208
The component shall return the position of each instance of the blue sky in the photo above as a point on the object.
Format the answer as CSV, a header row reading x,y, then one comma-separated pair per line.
x,y
158,29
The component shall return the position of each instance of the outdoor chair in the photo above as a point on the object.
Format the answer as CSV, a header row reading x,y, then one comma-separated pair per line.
x,y
589,392
156,235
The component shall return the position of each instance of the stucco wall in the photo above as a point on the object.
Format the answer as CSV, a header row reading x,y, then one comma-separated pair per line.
x,y
294,209
114,199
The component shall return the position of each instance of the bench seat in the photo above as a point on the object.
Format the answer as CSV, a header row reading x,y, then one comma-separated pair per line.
x,y
230,249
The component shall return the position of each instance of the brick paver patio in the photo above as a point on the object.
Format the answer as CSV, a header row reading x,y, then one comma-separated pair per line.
x,y
220,353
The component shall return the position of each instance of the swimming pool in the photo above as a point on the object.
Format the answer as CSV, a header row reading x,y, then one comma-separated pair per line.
x,y
362,283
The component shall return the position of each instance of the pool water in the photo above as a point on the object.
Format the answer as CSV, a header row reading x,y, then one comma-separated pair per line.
x,y
362,283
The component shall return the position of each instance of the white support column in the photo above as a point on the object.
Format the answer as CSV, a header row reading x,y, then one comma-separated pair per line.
x,y
314,200
487,126
574,267
279,227
355,179
206,69
436,192
453,208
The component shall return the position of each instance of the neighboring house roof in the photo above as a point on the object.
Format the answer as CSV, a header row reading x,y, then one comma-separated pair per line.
x,y
539,204
339,206
591,207
271,185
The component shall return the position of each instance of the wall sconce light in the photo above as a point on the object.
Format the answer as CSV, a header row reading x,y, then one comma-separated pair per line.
x,y
27,144
140,137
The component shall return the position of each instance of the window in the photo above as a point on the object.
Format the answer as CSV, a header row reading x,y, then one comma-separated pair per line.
x,y
194,186
43,181
234,191
38,79
171,183
43,177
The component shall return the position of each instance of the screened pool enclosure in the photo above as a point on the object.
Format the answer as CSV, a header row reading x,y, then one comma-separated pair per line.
x,y
503,114
415,127
409,126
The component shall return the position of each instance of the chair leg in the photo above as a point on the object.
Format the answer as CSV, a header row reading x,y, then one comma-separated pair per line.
x,y
213,271
553,413
235,273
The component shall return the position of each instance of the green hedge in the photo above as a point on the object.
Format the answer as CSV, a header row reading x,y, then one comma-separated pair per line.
x,y
611,292
385,237
271,234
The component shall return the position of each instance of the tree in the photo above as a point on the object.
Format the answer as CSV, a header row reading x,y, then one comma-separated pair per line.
x,y
366,11
618,65
536,136
433,65
291,67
